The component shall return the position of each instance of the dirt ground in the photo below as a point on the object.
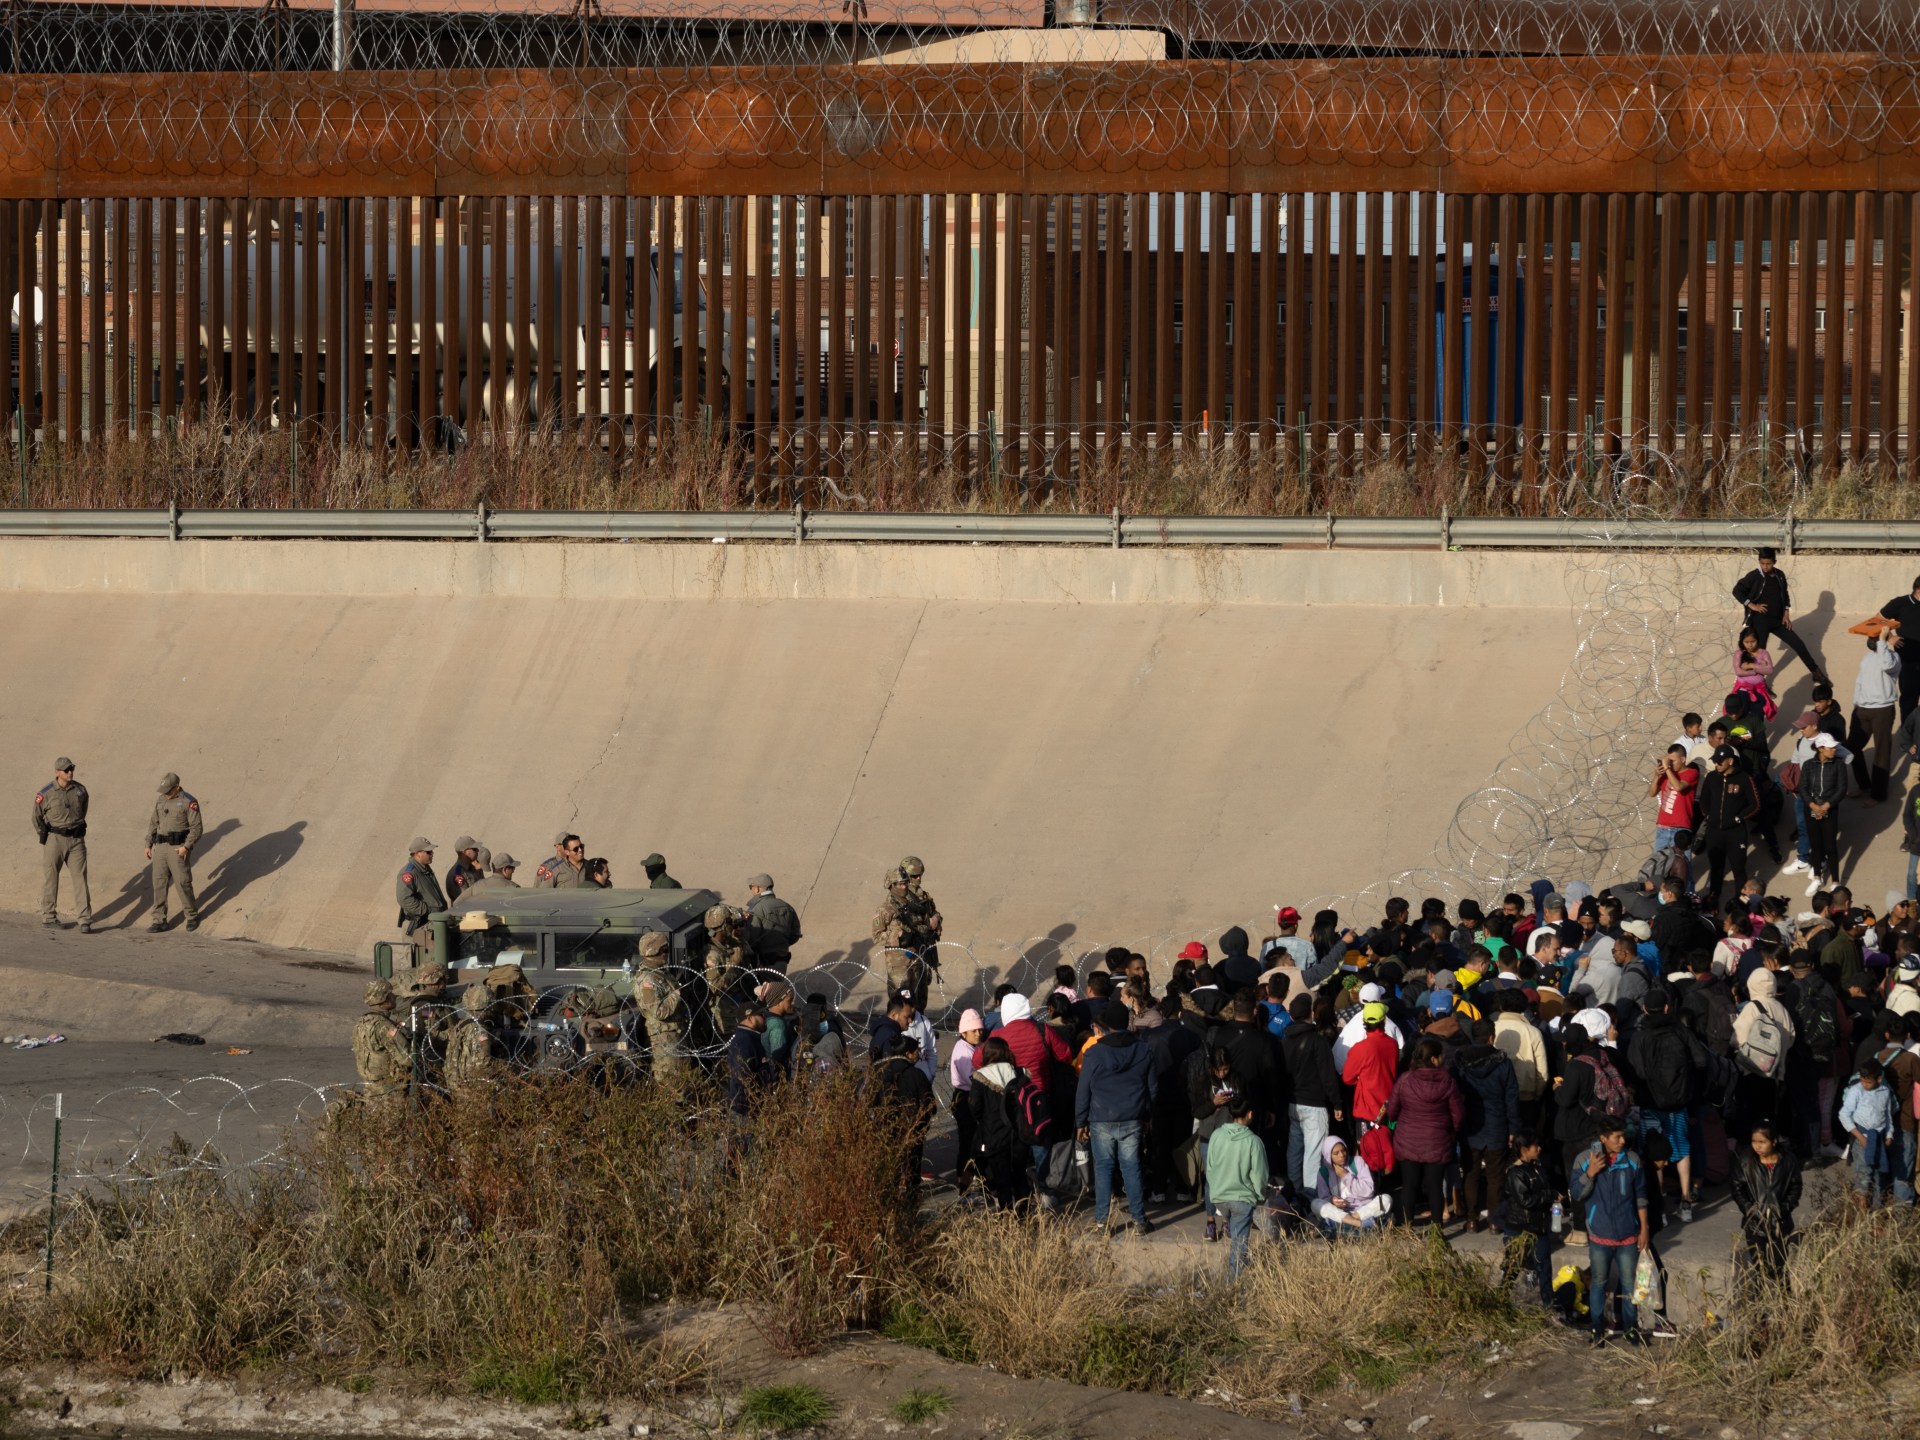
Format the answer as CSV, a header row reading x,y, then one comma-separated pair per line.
x,y
1557,1390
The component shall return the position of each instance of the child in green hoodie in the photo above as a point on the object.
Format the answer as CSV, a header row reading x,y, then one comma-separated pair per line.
x,y
1237,1181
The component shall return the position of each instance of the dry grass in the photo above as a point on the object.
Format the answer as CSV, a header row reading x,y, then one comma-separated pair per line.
x,y
705,468
1035,1299
1844,1325
506,1242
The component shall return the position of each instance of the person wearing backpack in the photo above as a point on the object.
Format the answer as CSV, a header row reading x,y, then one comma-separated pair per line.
x,y
1762,1038
1812,1073
1667,1063
1001,1152
1041,1052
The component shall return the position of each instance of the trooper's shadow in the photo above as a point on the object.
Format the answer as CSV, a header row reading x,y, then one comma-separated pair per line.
x,y
136,896
253,861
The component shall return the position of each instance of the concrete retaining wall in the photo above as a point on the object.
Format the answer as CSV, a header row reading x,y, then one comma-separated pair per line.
x,y
1088,747
815,571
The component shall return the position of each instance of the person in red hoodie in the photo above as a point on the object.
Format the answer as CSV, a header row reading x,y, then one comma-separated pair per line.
x,y
1037,1049
1371,1066
1427,1110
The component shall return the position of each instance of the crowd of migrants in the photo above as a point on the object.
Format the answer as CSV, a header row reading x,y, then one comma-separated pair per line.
x,y
1567,1068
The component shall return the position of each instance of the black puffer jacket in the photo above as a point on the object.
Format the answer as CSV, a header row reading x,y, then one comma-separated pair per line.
x,y
1824,782
1529,1197
1767,1197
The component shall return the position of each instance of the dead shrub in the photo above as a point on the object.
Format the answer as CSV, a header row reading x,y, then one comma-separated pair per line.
x,y
505,1239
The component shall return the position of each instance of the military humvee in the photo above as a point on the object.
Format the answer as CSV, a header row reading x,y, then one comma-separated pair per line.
x,y
565,942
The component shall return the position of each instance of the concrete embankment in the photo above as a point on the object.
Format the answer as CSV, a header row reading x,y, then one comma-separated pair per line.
x,y
1087,746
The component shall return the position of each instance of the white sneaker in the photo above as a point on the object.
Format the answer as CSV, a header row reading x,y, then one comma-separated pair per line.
x,y
1814,885
1796,866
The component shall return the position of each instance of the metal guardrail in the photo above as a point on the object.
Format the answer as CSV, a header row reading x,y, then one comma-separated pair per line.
x,y
1114,530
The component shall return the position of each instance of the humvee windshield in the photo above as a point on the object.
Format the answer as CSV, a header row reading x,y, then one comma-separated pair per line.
x,y
567,929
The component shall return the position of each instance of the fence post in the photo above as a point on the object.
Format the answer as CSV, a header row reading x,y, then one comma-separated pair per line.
x,y
480,522
1301,449
173,519
1446,528
1787,531
1116,527
799,521
53,1186
21,411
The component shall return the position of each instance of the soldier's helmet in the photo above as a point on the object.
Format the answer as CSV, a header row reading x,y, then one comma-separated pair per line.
x,y
654,945
379,995
912,868
894,880
718,916
430,976
476,1001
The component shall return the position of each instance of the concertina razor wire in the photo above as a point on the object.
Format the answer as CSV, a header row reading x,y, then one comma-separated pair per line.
x,y
919,87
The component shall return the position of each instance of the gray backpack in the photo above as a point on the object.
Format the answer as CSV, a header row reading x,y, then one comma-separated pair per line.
x,y
1764,1051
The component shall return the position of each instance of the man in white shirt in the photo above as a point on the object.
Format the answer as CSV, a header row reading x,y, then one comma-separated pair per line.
x,y
1876,694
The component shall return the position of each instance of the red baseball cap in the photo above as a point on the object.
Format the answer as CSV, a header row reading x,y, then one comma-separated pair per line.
x,y
1289,915
1194,951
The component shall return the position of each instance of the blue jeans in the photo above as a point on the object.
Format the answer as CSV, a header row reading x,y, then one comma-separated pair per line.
x,y
1240,1218
1117,1140
1610,1268
1040,1154
1867,1180
1802,842
1902,1151
1663,837
1304,1138
1913,877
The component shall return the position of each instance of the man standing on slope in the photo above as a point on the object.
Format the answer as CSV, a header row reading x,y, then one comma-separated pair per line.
x,y
1769,609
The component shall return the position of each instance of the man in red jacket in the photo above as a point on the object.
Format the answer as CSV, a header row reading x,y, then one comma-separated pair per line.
x,y
1036,1049
1371,1066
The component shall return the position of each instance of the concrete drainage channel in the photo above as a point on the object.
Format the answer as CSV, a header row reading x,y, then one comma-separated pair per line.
x,y
1113,530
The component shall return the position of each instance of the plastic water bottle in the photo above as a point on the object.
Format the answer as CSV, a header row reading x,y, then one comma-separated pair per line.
x,y
1559,1217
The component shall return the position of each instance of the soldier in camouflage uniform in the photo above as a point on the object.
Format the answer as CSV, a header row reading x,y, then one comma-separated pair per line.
x,y
657,997
922,913
379,1049
173,830
60,820
728,964
425,1018
897,937
472,1053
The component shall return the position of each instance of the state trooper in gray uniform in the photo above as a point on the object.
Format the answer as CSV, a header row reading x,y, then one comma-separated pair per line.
x,y
60,820
172,833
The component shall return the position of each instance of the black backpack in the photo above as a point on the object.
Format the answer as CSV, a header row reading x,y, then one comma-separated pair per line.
x,y
1819,1031
1719,1004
